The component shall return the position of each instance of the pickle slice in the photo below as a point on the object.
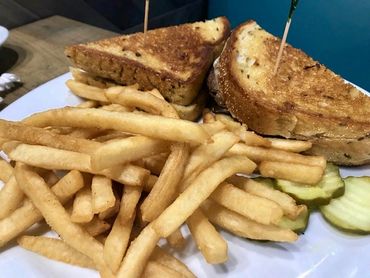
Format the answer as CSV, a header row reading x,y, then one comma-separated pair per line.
x,y
331,186
351,212
298,225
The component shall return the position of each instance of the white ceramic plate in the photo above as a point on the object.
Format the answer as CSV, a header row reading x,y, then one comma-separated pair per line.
x,y
4,33
322,251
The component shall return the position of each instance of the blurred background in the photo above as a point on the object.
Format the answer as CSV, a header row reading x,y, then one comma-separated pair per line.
x,y
335,32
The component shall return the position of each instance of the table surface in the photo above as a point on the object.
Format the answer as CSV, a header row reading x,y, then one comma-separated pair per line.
x,y
35,51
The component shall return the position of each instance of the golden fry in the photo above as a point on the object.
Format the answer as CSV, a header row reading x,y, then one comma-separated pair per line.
x,y
39,136
27,215
82,206
102,194
129,201
306,174
160,127
209,241
55,249
295,146
86,91
50,158
158,270
6,171
138,254
207,181
56,216
287,203
244,227
125,150
165,189
258,154
255,208
176,240
166,259
11,197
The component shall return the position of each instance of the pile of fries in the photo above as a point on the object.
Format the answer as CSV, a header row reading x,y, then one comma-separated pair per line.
x,y
121,171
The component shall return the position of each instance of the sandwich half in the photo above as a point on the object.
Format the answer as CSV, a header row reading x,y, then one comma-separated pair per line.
x,y
175,60
304,100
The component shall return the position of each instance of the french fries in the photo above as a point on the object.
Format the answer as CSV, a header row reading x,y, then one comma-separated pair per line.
x,y
102,194
258,154
198,191
39,136
11,197
169,171
138,253
6,171
253,207
160,127
56,216
176,239
295,146
244,227
56,159
86,91
82,206
125,150
118,239
27,215
213,246
165,189
55,249
287,203
164,258
307,174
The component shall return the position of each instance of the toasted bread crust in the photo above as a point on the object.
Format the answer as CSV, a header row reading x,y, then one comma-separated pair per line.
x,y
175,60
270,110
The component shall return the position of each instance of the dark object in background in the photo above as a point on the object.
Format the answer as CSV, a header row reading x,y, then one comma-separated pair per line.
x,y
115,15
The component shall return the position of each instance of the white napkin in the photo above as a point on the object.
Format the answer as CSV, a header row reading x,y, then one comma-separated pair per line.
x,y
7,81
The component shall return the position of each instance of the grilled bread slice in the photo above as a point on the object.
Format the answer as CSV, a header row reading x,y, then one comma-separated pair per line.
x,y
175,59
304,100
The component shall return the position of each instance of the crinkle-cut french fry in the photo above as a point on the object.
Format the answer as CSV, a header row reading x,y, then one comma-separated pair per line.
x,y
50,158
55,249
27,215
56,216
256,208
102,194
161,127
86,91
39,136
161,256
6,171
213,246
258,154
200,189
286,202
244,227
306,174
